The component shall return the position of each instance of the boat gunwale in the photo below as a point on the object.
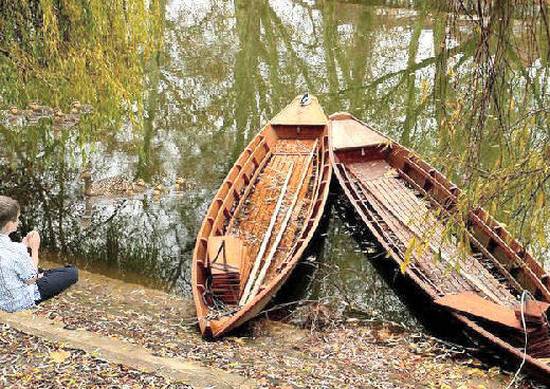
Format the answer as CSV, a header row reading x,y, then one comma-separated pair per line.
x,y
201,307
252,308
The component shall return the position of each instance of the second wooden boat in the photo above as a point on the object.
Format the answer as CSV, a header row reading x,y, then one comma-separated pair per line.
x,y
495,289
262,218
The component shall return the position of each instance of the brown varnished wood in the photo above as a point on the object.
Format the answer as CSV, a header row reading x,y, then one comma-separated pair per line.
x,y
472,304
348,134
245,203
296,115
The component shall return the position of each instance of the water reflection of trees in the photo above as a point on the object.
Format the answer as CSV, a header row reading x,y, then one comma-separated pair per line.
x,y
349,283
180,93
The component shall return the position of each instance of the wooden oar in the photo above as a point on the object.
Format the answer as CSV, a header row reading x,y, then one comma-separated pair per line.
x,y
282,229
265,241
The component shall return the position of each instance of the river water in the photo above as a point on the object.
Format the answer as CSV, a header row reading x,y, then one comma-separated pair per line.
x,y
166,96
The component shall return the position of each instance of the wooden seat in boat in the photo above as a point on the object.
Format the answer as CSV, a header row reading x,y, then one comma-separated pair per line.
x,y
510,322
226,260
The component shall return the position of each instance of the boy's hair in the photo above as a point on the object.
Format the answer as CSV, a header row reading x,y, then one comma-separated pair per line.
x,y
9,210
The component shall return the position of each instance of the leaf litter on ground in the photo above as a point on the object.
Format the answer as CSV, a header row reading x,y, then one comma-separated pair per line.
x,y
346,353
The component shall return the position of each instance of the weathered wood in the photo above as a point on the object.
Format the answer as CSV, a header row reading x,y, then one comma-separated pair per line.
x,y
296,115
117,351
243,207
481,285
472,304
473,239
320,163
248,189
348,133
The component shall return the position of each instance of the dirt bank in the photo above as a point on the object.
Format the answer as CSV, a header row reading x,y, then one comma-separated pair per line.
x,y
275,354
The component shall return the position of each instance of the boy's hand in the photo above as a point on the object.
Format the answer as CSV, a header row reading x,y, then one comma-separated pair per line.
x,y
32,240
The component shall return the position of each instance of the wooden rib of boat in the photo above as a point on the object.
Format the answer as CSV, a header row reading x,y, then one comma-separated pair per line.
x,y
400,198
262,218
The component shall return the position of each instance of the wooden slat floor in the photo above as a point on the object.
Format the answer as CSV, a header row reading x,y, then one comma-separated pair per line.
x,y
252,221
408,215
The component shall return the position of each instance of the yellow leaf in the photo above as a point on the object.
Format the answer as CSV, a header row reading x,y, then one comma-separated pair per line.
x,y
59,356
240,341
424,89
408,253
540,199
494,371
476,372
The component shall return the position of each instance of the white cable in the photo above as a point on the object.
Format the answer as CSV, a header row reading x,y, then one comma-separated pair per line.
x,y
522,302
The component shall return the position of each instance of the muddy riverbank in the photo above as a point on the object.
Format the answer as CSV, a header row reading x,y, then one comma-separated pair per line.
x,y
337,353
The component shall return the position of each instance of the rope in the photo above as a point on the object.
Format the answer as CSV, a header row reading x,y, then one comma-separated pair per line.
x,y
220,249
522,303
208,296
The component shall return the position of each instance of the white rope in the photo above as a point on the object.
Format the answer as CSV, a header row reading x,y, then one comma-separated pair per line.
x,y
522,303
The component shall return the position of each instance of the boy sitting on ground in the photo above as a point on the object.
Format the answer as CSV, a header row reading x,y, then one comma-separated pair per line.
x,y
22,286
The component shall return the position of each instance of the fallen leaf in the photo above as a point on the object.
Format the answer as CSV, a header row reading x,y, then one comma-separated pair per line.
x,y
59,356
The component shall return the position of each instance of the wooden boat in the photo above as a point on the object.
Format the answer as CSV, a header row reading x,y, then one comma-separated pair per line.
x,y
262,218
403,199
